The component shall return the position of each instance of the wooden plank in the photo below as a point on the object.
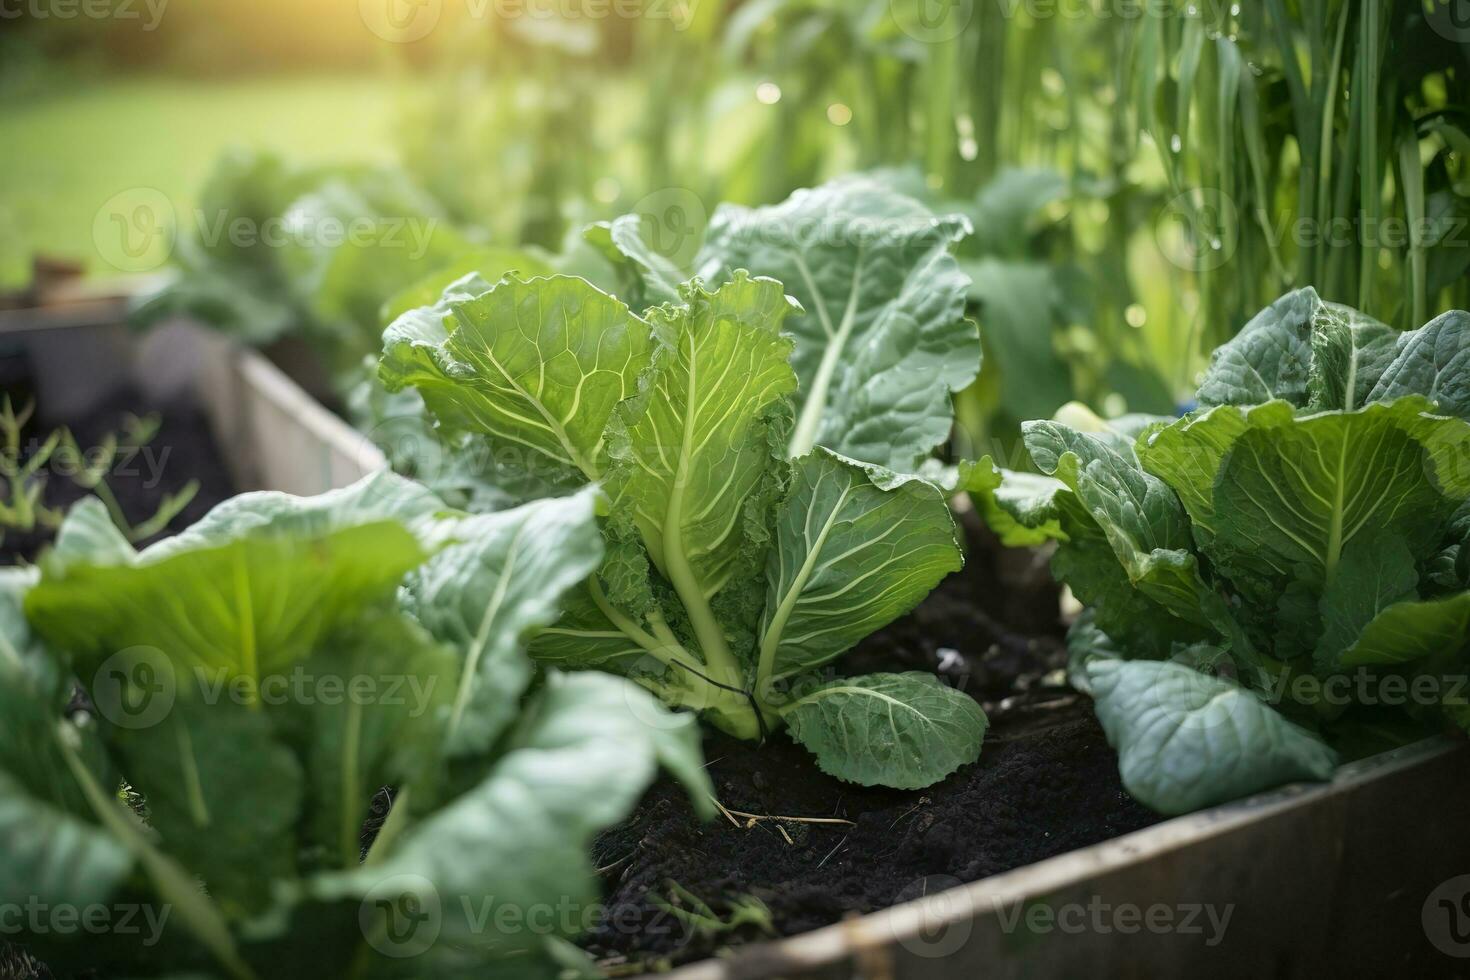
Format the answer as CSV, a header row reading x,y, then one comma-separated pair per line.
x,y
299,446
1302,881
272,433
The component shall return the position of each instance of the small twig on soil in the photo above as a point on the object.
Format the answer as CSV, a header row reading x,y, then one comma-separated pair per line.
x,y
608,867
922,800
757,817
833,851
728,815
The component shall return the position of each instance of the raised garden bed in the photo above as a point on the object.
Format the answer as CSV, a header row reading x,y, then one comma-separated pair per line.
x,y
1032,861
981,874
1316,881
268,432
930,884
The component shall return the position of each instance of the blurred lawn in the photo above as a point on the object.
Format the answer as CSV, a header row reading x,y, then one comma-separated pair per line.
x,y
62,158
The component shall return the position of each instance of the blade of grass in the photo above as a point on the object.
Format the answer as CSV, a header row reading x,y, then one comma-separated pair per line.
x,y
1411,186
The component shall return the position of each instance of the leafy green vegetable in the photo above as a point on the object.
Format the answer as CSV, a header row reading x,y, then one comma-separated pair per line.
x,y
489,592
456,465
257,680
1160,714
907,730
1300,533
733,575
881,338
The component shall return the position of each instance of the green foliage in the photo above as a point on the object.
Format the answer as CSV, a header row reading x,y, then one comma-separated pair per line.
x,y
1299,534
881,338
308,251
733,573
1140,184
259,677
1187,740
1310,144
903,730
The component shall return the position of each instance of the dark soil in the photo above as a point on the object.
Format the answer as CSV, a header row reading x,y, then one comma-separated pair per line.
x,y
182,450
1046,783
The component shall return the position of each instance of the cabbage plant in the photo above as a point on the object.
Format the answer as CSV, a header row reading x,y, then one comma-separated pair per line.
x,y
256,680
734,574
1266,572
881,339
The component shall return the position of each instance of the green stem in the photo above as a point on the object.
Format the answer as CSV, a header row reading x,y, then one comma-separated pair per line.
x,y
1411,185
726,709
771,641
661,630
717,656
350,825
943,71
665,652
1325,147
807,426
718,659
481,642
245,607
1334,531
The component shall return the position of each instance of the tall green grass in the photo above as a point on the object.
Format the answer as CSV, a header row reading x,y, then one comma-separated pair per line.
x,y
1214,154
1331,134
